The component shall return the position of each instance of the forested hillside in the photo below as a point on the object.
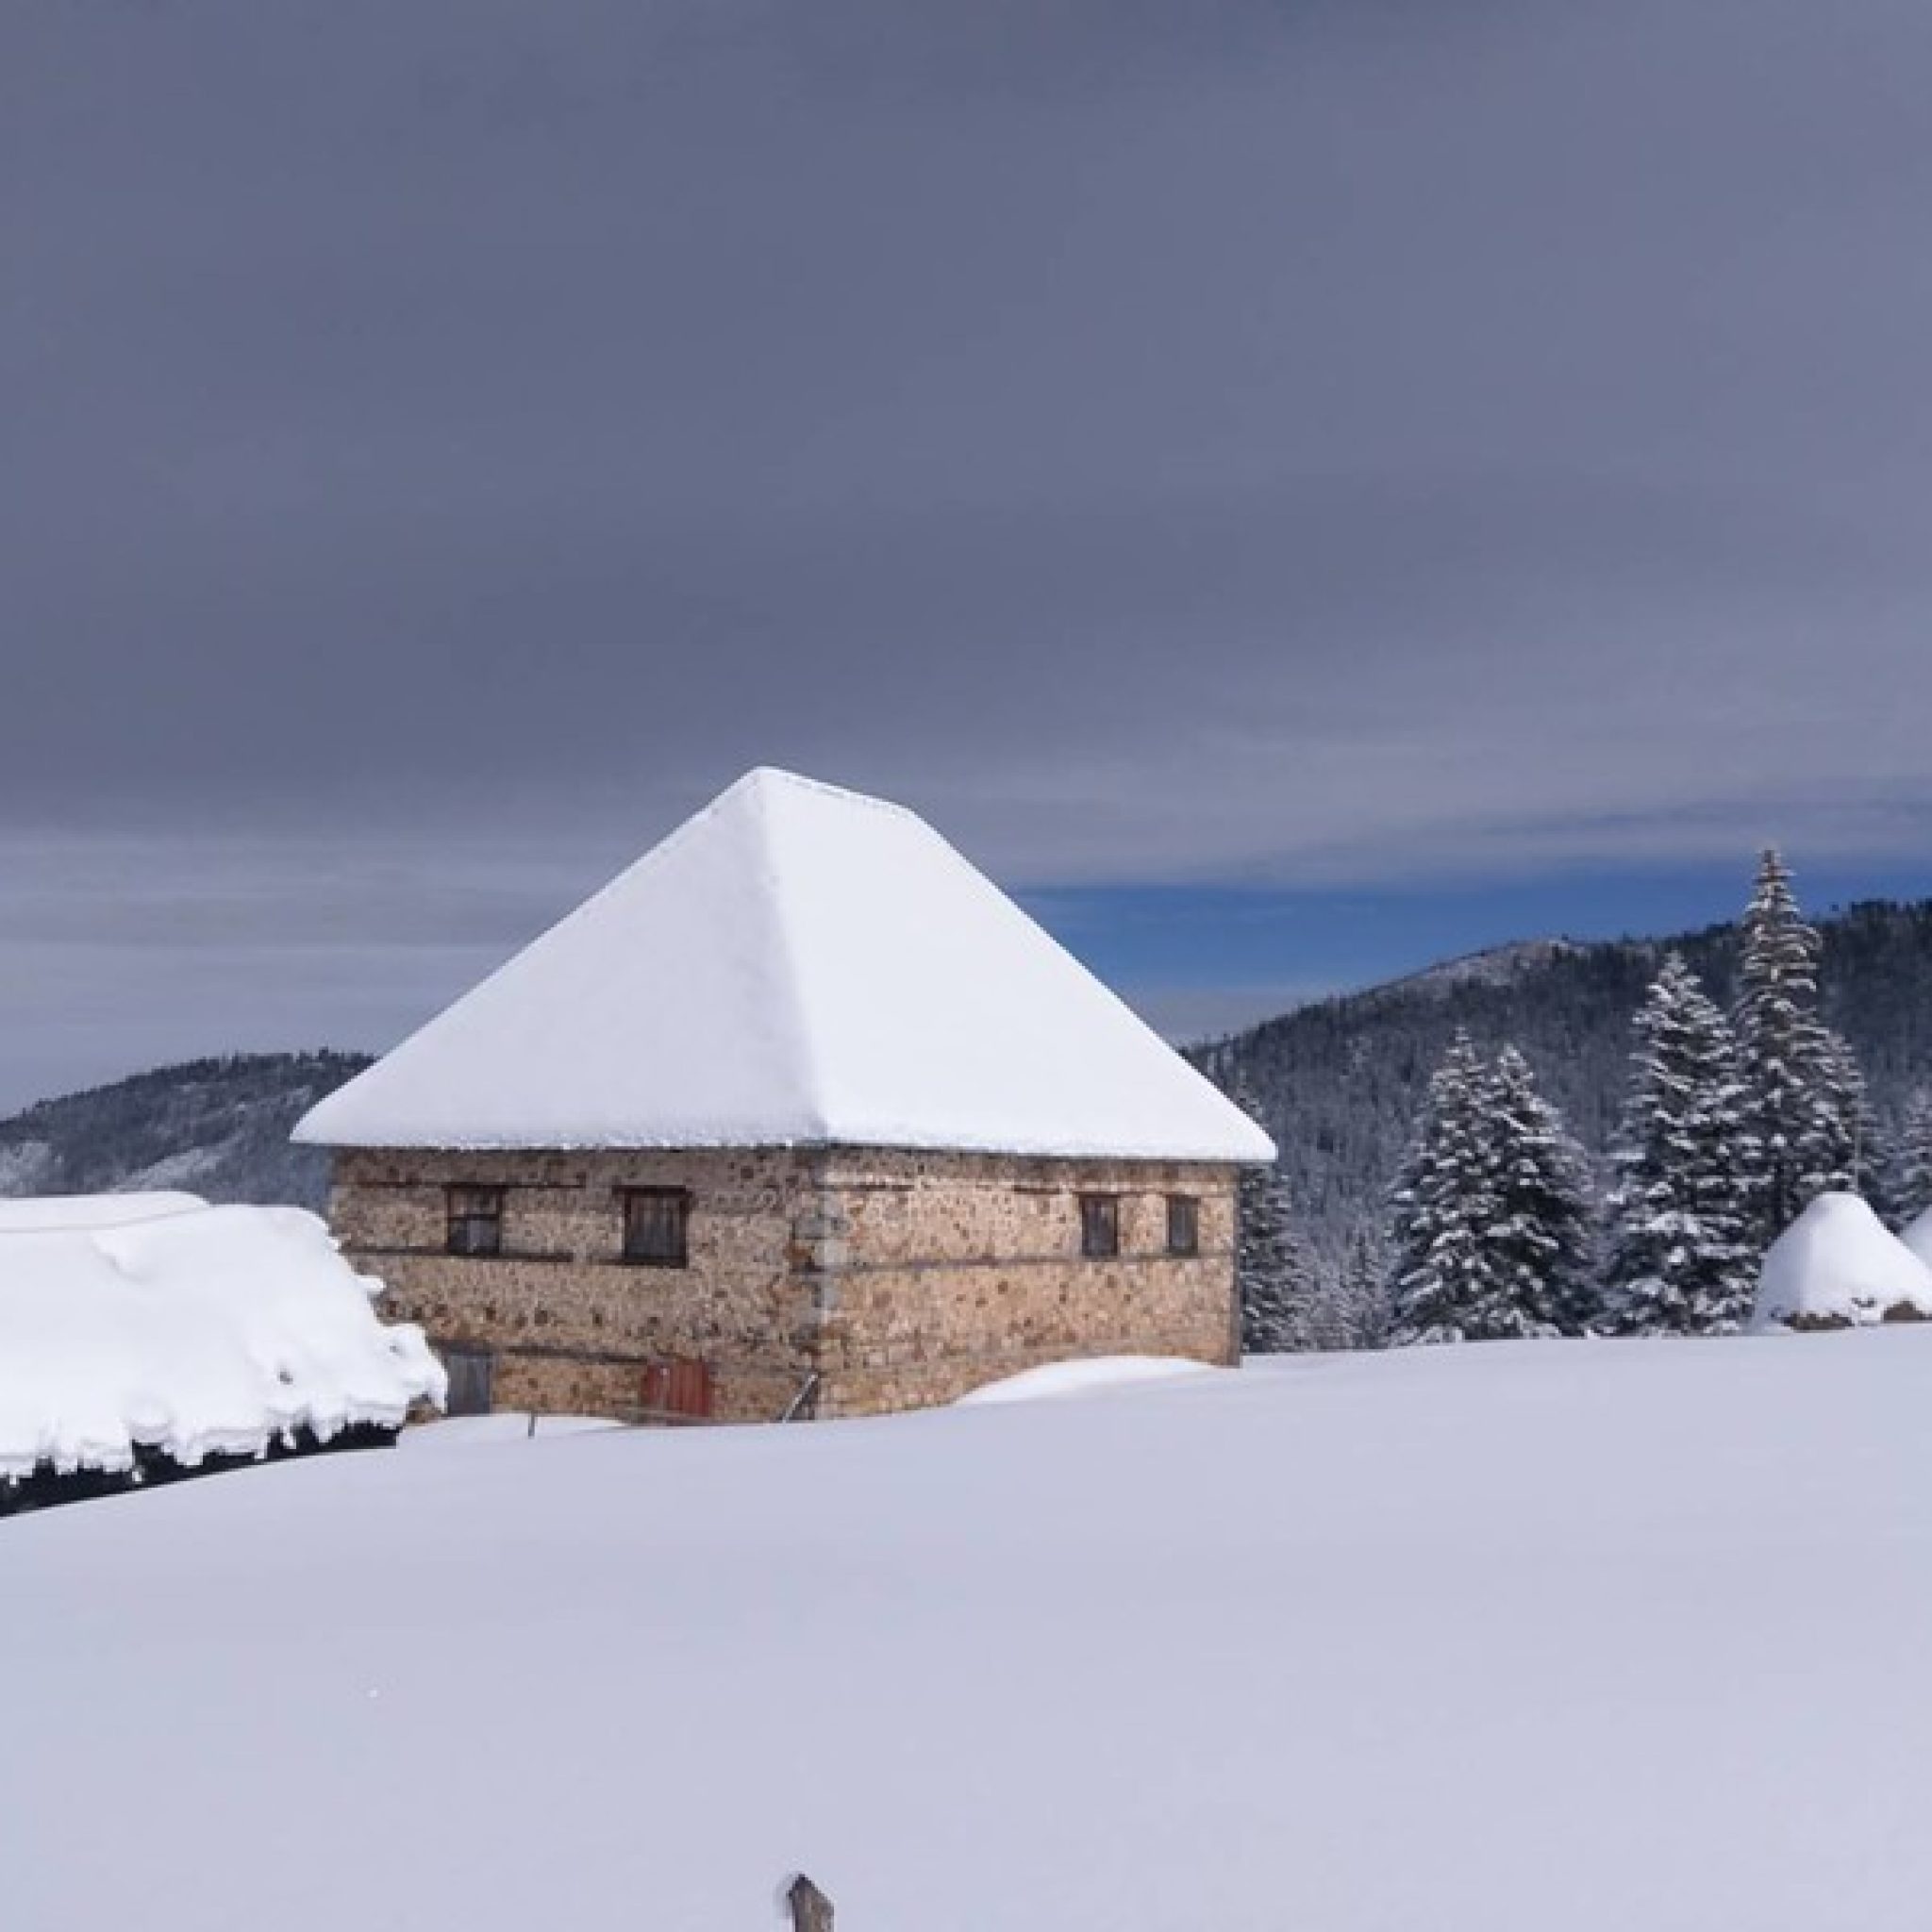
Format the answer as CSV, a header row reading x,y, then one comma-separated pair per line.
x,y
217,1128
1337,1082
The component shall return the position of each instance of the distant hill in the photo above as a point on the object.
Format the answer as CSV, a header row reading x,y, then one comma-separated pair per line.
x,y
1339,1081
216,1128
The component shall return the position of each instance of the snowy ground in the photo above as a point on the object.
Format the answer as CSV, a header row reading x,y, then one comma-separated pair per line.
x,y
1556,1638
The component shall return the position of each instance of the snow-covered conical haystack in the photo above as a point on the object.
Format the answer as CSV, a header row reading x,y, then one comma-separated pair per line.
x,y
1837,1266
153,1324
1917,1237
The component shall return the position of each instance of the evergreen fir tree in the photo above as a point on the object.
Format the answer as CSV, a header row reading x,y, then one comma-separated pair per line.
x,y
1439,1270
1540,1240
1318,1316
1842,1151
1796,1123
1272,1266
1678,1261
1363,1292
1273,1270
1911,1173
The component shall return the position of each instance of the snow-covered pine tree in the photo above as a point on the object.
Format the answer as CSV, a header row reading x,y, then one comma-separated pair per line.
x,y
1782,1055
1541,1238
1362,1290
1841,1152
1272,1275
1319,1317
1678,1261
1271,1266
1912,1171
1440,1269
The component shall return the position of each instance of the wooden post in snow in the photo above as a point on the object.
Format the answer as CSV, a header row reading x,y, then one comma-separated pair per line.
x,y
811,1910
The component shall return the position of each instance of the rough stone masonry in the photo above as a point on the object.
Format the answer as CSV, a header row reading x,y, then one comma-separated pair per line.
x,y
820,1281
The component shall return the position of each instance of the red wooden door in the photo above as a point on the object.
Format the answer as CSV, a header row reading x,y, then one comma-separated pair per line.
x,y
679,1391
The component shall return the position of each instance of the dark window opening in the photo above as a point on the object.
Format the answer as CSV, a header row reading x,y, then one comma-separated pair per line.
x,y
1183,1224
471,1378
656,1223
475,1220
1100,1226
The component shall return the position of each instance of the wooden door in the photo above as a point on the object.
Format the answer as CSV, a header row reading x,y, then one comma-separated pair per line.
x,y
680,1391
471,1378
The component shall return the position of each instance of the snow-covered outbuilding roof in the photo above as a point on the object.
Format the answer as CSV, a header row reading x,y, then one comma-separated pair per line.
x,y
154,1320
1838,1264
795,965
58,1213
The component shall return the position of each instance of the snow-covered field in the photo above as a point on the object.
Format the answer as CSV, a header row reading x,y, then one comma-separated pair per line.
x,y
1621,1636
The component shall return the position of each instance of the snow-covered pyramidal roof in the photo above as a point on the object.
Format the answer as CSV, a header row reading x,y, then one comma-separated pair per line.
x,y
794,965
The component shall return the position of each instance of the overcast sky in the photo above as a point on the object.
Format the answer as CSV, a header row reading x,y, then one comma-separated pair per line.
x,y
1236,465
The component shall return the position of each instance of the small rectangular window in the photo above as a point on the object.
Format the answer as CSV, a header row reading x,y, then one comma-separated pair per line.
x,y
656,1221
475,1220
1183,1224
1100,1226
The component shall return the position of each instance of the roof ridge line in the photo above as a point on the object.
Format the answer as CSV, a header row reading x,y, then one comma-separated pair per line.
x,y
845,794
790,976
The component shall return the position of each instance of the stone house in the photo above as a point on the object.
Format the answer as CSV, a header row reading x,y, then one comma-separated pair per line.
x,y
801,1115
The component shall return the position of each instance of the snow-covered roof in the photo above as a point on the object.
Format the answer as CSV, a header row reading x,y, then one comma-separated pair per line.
x,y
796,964
49,1213
1838,1263
187,1329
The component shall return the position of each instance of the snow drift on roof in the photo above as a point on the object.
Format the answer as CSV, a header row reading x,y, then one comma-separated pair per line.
x,y
1838,1264
48,1213
794,965
198,1331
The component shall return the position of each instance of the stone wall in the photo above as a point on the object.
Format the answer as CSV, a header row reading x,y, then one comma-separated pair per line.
x,y
573,1326
898,1279
957,1270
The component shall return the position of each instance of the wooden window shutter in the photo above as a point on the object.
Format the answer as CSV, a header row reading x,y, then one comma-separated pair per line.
x,y
1100,1226
475,1219
1183,1224
656,1226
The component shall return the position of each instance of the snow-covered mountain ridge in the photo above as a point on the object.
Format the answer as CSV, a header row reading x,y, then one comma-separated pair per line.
x,y
1492,966
1339,1081
217,1127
